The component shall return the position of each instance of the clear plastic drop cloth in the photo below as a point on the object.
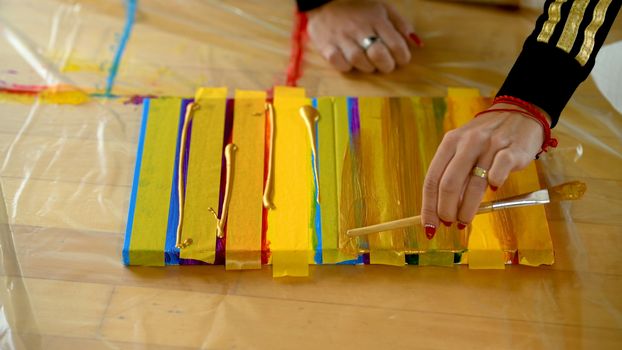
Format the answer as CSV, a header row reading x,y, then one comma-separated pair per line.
x,y
72,75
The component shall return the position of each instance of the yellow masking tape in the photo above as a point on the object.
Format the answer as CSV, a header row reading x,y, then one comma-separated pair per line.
x,y
203,178
289,229
245,208
154,185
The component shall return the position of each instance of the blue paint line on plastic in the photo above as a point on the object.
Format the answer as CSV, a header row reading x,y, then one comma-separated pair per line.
x,y
125,36
171,253
318,212
100,94
139,159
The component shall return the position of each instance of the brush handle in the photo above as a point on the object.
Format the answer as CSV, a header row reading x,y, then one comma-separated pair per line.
x,y
567,191
385,226
485,207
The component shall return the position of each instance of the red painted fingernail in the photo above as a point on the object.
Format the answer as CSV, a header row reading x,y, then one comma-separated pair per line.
x,y
416,39
430,230
448,224
494,188
461,226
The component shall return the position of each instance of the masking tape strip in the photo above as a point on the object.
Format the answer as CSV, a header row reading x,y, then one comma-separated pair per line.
x,y
136,177
245,207
203,178
153,192
288,230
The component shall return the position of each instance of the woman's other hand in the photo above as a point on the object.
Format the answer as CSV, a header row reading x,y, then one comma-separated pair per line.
x,y
339,31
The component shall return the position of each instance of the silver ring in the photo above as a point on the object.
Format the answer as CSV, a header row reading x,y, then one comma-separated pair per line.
x,y
369,41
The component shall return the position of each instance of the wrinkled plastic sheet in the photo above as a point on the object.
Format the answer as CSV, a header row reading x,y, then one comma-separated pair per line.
x,y
66,173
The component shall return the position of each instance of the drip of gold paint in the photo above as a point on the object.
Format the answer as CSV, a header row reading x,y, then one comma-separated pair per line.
x,y
268,188
190,108
310,116
230,162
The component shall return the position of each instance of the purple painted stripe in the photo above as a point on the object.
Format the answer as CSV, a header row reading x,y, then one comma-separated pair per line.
x,y
354,117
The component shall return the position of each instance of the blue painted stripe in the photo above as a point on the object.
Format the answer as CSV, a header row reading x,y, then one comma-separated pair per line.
x,y
357,261
171,253
139,159
125,36
318,212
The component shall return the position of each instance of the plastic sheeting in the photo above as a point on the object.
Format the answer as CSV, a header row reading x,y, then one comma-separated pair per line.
x,y
67,167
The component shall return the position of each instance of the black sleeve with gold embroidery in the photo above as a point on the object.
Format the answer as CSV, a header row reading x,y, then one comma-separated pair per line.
x,y
308,5
560,52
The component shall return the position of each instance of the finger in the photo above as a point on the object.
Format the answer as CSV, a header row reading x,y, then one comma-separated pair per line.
x,y
452,184
505,161
336,58
474,192
380,56
443,156
403,27
355,55
394,42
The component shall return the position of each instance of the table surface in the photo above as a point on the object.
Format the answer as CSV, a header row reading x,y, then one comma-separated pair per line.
x,y
67,171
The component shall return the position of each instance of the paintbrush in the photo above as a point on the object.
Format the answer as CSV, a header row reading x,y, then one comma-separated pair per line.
x,y
568,191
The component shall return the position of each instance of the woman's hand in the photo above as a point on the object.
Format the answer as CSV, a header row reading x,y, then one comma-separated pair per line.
x,y
499,142
339,29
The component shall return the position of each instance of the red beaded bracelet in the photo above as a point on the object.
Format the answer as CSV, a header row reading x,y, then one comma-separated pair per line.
x,y
529,111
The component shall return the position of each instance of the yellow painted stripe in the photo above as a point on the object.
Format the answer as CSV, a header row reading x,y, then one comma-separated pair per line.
x,y
589,35
289,228
483,244
203,178
58,94
379,191
571,28
333,137
328,180
494,237
424,140
342,139
245,208
64,95
427,133
529,224
554,15
154,184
